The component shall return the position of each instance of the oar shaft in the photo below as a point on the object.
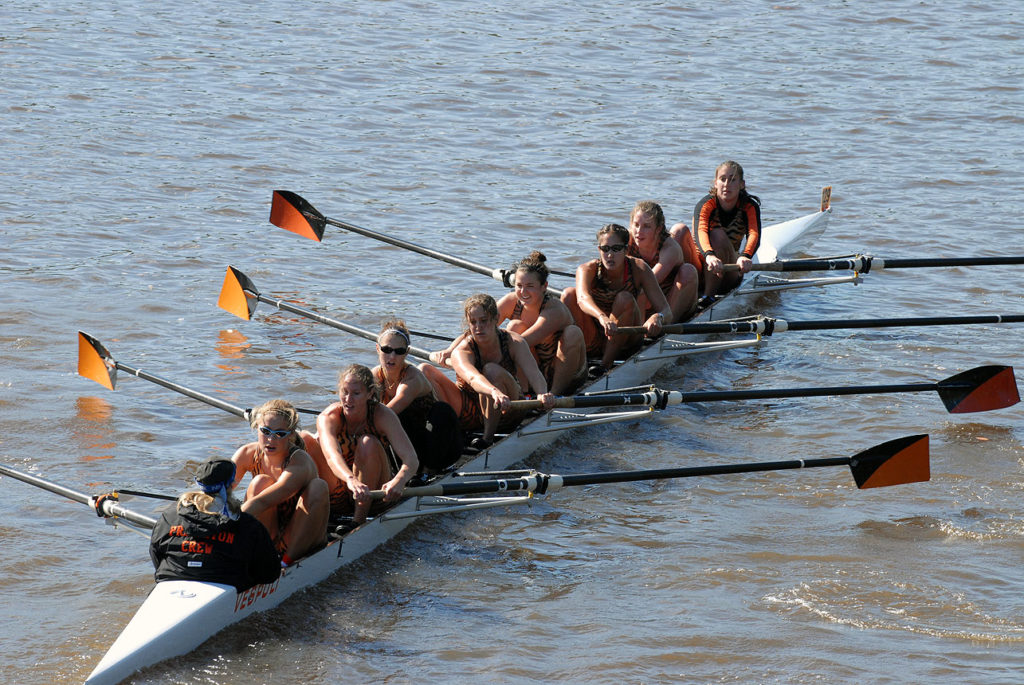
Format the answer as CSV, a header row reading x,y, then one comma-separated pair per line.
x,y
545,483
770,325
865,263
212,401
782,393
110,507
694,471
503,276
496,274
663,398
879,263
334,323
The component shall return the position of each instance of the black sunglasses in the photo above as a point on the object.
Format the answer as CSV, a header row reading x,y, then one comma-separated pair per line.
x,y
387,349
611,248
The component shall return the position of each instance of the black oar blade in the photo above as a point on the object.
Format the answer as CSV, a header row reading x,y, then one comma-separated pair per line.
x,y
899,461
982,389
233,297
291,212
94,362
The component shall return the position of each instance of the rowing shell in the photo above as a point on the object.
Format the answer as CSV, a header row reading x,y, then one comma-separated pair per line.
x,y
178,616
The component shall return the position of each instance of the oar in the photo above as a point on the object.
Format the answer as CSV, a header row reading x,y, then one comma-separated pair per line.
x,y
864,263
240,296
292,212
96,363
765,325
904,460
984,388
104,505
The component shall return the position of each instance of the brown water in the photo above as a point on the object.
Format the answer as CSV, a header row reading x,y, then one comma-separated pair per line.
x,y
140,148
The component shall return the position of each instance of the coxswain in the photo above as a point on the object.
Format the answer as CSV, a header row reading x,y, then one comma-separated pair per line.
x,y
606,296
357,436
431,424
492,368
285,493
206,536
727,224
650,241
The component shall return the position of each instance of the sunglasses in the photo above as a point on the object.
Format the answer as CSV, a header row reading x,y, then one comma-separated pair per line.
x,y
400,351
611,248
277,434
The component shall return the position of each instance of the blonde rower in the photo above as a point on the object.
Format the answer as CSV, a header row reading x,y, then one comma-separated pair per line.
x,y
355,436
285,494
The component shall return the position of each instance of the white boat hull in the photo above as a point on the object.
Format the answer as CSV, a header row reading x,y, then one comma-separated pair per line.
x,y
178,616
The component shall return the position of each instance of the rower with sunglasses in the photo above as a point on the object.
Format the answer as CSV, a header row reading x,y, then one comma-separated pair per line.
x,y
285,494
605,297
432,425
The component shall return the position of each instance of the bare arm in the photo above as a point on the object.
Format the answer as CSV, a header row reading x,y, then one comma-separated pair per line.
x,y
328,425
296,476
414,385
387,424
662,311
524,360
585,299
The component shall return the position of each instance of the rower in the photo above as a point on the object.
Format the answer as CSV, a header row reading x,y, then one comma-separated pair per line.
x,y
285,493
207,537
650,241
357,436
432,425
492,368
725,220
605,297
545,323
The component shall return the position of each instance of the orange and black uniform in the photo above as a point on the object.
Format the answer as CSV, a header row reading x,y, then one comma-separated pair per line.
x,y
188,544
341,497
633,250
744,221
472,416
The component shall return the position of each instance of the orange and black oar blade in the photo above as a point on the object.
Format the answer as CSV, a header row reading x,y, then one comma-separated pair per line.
x,y
292,212
94,362
981,389
235,294
903,460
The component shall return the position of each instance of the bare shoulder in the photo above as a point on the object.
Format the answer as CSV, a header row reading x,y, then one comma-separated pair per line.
x,y
244,455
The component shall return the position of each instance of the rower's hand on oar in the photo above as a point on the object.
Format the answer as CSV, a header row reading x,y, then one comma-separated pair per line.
x,y
501,400
609,326
653,325
548,399
441,357
393,489
744,262
360,493
714,264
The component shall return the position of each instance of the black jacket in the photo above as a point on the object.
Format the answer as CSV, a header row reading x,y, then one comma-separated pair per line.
x,y
193,545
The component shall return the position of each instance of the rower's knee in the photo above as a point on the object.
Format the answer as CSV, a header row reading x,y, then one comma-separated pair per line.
x,y
258,484
679,232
